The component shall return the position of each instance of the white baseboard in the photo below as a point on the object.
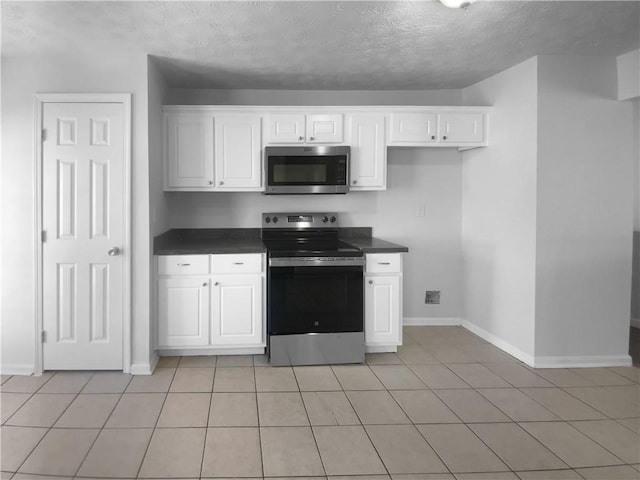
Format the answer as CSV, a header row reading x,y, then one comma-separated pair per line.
x,y
635,322
17,369
583,361
431,321
144,368
185,352
500,343
550,362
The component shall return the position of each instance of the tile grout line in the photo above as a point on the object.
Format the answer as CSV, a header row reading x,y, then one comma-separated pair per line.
x,y
313,434
54,422
153,429
206,425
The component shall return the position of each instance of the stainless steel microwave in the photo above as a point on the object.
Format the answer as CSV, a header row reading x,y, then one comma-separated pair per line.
x,y
306,169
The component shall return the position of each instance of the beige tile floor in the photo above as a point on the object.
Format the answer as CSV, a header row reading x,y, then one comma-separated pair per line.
x,y
447,406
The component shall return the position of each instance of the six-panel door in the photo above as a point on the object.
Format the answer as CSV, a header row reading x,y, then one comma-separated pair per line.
x,y
83,191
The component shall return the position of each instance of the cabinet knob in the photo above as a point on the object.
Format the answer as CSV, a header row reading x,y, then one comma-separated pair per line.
x,y
301,138
204,284
370,282
216,284
433,137
444,137
354,182
220,182
210,182
312,138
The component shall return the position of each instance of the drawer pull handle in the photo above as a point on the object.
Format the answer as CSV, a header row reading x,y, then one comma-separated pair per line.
x,y
384,263
238,263
184,264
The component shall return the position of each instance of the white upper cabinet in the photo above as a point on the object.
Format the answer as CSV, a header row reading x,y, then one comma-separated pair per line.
x,y
324,128
460,128
366,136
237,152
287,128
413,128
188,151
438,128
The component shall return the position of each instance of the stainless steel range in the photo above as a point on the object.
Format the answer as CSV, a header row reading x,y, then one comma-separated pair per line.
x,y
315,291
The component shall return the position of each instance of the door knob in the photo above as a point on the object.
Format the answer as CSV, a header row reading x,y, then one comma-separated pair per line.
x,y
113,251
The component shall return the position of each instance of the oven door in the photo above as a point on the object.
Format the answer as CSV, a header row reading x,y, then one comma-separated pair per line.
x,y
315,299
288,172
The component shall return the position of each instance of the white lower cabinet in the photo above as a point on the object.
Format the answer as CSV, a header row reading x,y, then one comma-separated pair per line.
x,y
236,310
221,307
183,311
383,302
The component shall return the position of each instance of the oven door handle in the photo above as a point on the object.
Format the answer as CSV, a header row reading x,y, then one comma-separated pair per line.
x,y
293,262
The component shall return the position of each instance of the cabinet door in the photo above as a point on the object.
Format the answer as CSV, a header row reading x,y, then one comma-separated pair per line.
x,y
382,310
461,127
286,128
237,152
413,128
366,135
325,128
188,151
183,313
236,317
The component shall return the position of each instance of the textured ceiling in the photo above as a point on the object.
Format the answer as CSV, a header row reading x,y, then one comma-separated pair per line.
x,y
320,44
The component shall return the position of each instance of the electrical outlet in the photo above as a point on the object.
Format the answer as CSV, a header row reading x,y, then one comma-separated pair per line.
x,y
432,297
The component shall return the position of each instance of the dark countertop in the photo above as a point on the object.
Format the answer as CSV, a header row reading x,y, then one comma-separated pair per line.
x,y
203,241
196,241
375,245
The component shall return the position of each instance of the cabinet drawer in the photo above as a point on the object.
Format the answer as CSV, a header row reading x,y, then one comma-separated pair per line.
x,y
183,264
236,263
383,263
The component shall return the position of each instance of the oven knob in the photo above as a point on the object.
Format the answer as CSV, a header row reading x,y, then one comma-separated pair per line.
x,y
325,219
316,323
333,220
267,220
275,219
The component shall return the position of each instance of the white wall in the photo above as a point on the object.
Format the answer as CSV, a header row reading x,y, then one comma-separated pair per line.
x,y
628,66
21,79
314,97
584,200
158,207
635,280
431,177
499,212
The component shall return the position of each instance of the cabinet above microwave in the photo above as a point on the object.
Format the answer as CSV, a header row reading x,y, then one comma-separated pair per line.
x,y
221,148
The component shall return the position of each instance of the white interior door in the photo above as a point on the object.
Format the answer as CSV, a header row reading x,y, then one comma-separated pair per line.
x,y
83,190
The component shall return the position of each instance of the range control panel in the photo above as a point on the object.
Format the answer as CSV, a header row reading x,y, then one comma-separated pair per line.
x,y
300,220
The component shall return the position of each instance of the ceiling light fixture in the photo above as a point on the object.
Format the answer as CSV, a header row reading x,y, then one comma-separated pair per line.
x,y
457,3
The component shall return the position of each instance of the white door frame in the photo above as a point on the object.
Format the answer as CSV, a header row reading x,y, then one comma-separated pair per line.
x,y
125,100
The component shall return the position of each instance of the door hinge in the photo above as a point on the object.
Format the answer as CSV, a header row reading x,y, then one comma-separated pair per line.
x,y
43,236
43,335
44,135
